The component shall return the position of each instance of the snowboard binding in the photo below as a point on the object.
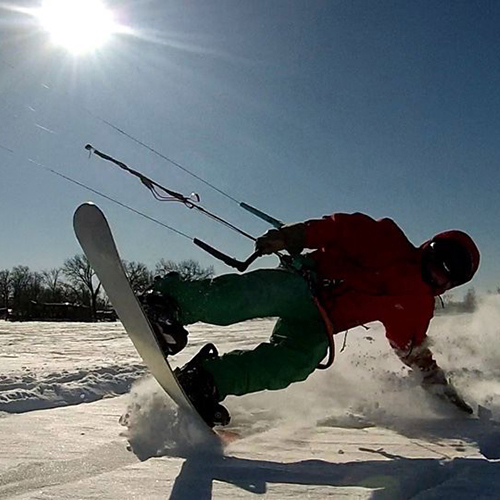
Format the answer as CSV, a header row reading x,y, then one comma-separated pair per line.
x,y
163,315
199,386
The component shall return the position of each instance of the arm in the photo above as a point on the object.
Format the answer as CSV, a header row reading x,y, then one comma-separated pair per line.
x,y
371,242
341,229
433,377
406,329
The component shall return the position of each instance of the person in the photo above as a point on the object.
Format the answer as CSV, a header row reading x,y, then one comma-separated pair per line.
x,y
359,270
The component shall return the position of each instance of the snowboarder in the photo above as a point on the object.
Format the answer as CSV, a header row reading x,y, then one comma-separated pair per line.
x,y
360,270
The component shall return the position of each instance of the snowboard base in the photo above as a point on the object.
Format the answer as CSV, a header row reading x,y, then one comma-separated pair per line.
x,y
96,239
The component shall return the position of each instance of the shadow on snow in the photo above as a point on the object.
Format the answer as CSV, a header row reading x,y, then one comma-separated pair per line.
x,y
396,477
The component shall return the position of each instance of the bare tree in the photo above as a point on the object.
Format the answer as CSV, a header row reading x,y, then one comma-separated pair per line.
x,y
36,285
5,288
188,269
139,276
26,287
470,300
82,278
52,280
20,281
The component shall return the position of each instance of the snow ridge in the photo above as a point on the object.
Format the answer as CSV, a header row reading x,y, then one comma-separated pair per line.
x,y
35,391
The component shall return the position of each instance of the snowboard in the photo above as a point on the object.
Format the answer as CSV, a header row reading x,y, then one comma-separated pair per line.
x,y
96,239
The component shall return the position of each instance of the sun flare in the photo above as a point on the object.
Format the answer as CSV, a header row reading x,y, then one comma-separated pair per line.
x,y
79,26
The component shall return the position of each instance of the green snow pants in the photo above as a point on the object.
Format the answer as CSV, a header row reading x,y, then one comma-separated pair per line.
x,y
298,342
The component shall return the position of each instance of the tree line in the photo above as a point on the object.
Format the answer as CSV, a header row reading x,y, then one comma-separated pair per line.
x,y
27,294
74,292
448,304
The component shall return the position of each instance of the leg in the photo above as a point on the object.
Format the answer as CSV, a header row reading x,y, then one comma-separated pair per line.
x,y
296,347
293,353
232,298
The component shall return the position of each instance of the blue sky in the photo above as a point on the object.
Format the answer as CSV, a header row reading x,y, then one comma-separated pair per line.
x,y
391,108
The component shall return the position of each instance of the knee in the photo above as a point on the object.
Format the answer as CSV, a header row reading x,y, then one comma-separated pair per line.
x,y
305,362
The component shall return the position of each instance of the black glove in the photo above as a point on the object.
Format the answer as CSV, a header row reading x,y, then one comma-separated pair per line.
x,y
451,395
290,238
437,385
270,242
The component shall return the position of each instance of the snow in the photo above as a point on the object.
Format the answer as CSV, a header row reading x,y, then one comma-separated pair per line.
x,y
81,418
47,365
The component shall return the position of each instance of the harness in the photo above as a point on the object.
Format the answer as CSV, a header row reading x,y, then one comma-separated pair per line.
x,y
304,267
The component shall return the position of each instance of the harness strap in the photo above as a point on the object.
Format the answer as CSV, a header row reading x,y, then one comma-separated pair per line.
x,y
329,333
302,265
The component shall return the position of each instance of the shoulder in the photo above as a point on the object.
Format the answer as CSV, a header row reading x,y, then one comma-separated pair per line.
x,y
384,224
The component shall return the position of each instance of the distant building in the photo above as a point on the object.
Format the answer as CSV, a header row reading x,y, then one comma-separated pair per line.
x,y
60,311
64,311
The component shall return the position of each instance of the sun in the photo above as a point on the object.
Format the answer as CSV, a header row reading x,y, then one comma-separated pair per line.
x,y
80,26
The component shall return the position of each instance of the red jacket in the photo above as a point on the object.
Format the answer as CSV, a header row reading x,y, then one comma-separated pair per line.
x,y
377,277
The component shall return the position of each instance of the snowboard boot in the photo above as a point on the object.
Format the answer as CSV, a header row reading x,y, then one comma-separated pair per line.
x,y
199,386
163,315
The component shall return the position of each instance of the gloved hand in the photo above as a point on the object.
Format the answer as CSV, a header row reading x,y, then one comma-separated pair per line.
x,y
270,242
451,395
290,238
435,382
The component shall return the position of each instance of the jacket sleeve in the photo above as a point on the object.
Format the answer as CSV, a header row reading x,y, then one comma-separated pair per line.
x,y
421,359
433,379
361,237
411,344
